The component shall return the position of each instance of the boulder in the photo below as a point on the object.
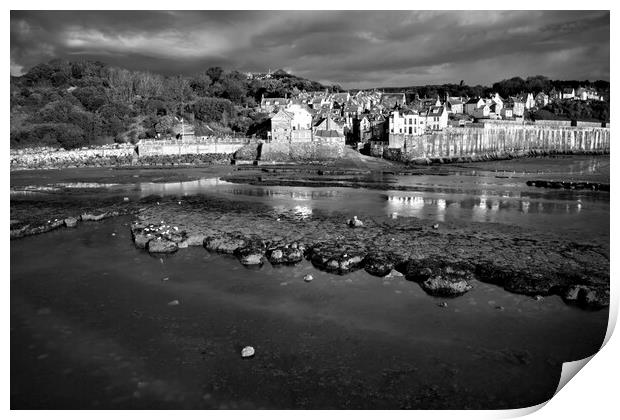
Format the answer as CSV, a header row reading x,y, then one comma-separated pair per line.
x,y
355,222
161,246
440,278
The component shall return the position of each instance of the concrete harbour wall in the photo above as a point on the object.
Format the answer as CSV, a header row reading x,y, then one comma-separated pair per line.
x,y
476,141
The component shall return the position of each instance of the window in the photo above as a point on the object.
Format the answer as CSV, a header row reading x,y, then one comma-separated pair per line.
x,y
409,120
410,130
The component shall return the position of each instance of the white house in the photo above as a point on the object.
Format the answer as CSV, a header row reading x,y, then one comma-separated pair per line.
x,y
408,122
437,118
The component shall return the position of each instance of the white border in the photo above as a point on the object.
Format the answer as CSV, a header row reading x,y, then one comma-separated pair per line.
x,y
591,395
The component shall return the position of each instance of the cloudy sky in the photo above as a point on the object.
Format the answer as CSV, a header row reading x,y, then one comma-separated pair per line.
x,y
354,49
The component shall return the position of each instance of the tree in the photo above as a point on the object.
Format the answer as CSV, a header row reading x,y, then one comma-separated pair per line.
x,y
212,109
214,73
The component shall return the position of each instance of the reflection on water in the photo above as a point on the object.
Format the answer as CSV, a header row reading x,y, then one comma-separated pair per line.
x,y
477,195
176,188
441,199
483,208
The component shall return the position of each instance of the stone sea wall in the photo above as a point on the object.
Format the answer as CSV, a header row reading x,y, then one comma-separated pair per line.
x,y
123,155
319,149
47,157
497,141
191,147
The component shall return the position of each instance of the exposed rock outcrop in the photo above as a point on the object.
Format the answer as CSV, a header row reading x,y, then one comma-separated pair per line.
x,y
440,278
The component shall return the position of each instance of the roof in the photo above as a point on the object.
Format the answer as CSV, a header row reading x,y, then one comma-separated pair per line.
x,y
283,113
274,100
327,133
436,110
473,101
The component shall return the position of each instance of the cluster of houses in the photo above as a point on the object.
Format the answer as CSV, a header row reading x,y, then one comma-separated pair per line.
x,y
374,116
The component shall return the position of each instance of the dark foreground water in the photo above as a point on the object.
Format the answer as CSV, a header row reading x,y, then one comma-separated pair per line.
x,y
91,327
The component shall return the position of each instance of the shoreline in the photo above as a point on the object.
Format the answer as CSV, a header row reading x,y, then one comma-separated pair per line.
x,y
94,158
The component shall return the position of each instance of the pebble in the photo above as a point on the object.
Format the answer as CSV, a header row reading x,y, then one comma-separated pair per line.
x,y
173,303
443,304
308,278
125,198
538,297
499,308
165,279
436,226
247,351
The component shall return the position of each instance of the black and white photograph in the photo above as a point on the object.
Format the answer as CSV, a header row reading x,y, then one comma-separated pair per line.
x,y
306,209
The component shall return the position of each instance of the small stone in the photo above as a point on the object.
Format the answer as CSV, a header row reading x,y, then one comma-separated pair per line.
x,y
125,199
436,226
394,273
443,304
247,352
355,222
308,278
499,308
538,297
394,215
165,279
71,222
113,234
173,303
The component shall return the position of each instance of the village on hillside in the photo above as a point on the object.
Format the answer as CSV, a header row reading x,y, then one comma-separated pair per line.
x,y
366,118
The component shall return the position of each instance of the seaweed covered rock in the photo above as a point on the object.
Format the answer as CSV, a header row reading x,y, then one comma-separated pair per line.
x,y
161,246
224,243
286,254
337,258
251,254
525,282
440,278
587,296
378,264
195,240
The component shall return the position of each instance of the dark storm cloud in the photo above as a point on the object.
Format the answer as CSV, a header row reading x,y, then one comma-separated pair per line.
x,y
353,48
